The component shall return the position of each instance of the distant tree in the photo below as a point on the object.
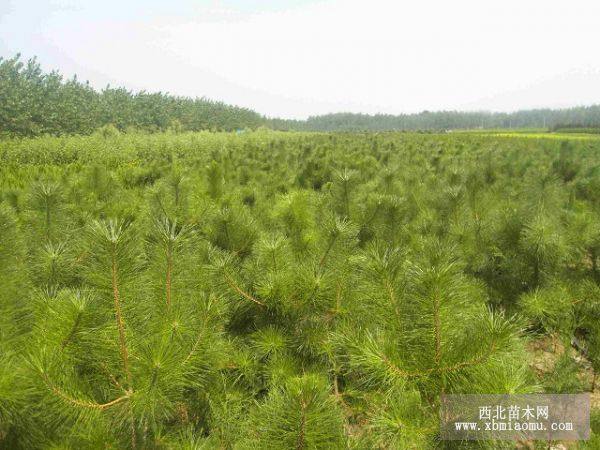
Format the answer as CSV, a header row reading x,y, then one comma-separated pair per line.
x,y
33,103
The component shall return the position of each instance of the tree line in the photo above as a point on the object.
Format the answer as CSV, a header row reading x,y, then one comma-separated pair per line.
x,y
34,103
577,117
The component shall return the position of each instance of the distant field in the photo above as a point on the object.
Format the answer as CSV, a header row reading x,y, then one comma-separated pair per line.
x,y
502,130
548,135
535,133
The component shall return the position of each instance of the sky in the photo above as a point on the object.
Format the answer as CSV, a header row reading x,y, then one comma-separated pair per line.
x,y
297,58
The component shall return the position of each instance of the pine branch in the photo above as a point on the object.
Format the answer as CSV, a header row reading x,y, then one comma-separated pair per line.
x,y
392,294
236,288
437,329
71,334
118,315
326,254
300,441
193,349
169,270
479,359
112,377
471,362
196,342
83,403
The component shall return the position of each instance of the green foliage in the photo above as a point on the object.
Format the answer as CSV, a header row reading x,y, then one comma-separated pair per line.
x,y
563,378
552,309
571,120
300,415
285,290
33,103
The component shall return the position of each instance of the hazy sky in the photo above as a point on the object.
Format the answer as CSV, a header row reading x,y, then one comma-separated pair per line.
x,y
295,58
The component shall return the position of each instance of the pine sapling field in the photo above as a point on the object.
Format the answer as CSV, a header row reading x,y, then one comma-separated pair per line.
x,y
271,290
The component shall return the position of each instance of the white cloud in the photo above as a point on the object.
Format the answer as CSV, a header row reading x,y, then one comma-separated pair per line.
x,y
376,56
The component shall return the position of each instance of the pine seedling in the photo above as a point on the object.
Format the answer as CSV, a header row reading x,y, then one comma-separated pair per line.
x,y
552,309
215,180
171,239
563,379
275,360
586,340
113,263
441,335
46,200
134,374
584,238
398,419
295,212
544,247
223,272
566,165
380,270
299,415
169,196
232,229
64,389
14,397
342,192
53,266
